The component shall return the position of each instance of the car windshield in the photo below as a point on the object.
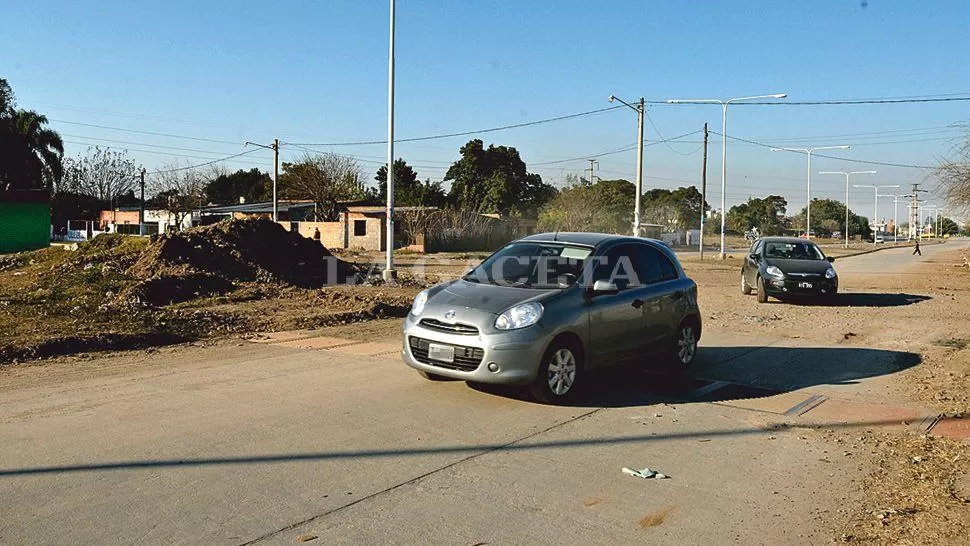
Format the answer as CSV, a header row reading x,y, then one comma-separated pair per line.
x,y
532,265
793,251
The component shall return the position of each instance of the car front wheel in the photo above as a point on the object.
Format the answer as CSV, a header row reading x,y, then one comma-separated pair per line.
x,y
762,293
560,373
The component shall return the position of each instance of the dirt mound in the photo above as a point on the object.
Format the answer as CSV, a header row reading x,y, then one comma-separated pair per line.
x,y
214,259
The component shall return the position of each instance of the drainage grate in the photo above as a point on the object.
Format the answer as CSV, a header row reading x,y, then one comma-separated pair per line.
x,y
733,391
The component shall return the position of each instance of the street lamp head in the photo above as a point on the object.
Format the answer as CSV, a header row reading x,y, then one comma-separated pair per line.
x,y
672,101
612,98
780,96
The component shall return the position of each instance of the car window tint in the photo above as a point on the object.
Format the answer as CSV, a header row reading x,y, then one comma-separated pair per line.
x,y
648,261
618,266
667,268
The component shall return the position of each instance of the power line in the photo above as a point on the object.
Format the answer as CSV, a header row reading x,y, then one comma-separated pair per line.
x,y
904,165
664,141
220,160
168,135
463,133
842,101
614,151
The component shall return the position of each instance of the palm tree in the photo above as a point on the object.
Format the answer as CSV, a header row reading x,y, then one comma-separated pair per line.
x,y
36,152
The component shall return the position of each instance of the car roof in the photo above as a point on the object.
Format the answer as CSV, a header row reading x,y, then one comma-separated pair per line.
x,y
585,239
785,240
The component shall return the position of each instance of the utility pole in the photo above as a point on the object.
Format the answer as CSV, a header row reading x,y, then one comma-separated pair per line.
x,y
141,212
700,244
276,177
275,146
639,109
914,212
389,273
591,162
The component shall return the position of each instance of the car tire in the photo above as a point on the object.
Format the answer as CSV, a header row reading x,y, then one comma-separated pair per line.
x,y
684,348
560,374
745,287
432,376
762,293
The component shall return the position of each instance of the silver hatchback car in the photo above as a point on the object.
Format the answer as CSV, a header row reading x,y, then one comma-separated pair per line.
x,y
545,309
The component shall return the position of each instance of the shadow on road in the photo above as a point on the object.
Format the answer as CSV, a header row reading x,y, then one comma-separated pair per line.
x,y
721,374
862,299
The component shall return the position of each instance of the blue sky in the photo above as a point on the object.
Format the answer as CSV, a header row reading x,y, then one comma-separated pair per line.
x,y
316,72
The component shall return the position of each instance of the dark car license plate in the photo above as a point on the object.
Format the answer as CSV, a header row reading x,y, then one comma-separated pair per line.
x,y
804,285
441,353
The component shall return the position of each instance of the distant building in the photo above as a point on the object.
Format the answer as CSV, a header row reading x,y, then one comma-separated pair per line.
x,y
25,220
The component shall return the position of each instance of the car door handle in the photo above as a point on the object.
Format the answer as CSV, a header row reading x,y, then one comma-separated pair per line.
x,y
637,303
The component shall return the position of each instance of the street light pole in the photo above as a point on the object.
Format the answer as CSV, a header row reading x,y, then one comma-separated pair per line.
x,y
896,199
847,175
389,273
808,197
639,109
724,108
875,210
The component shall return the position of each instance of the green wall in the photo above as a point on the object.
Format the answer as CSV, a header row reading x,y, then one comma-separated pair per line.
x,y
24,226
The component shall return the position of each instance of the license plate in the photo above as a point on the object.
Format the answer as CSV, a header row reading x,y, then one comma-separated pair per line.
x,y
804,285
441,353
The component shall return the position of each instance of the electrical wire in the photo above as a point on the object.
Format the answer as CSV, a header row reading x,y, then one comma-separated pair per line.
x,y
664,141
463,133
169,135
833,102
188,167
867,162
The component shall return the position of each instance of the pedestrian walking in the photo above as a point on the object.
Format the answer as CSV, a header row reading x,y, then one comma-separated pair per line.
x,y
917,250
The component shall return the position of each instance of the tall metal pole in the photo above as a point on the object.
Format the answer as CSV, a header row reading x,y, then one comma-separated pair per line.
x,y
875,214
724,107
700,244
141,211
847,209
276,176
389,273
636,205
808,199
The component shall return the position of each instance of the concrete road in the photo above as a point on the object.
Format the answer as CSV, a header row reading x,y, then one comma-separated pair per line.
x,y
266,443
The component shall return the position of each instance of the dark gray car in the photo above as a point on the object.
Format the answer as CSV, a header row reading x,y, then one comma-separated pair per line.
x,y
544,310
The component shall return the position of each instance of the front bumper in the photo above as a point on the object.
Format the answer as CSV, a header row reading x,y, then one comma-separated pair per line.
x,y
794,286
510,358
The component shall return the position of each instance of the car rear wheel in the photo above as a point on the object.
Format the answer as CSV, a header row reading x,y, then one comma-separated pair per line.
x,y
762,294
685,343
745,287
560,374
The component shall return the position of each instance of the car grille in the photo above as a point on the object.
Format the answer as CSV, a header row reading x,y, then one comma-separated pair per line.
x,y
467,359
460,329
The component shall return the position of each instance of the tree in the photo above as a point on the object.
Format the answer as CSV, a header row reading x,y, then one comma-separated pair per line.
x,y
495,180
408,191
32,153
828,216
767,214
227,189
324,179
102,173
606,206
178,190
954,177
674,209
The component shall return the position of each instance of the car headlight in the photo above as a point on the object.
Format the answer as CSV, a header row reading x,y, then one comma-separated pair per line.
x,y
830,273
419,302
519,316
774,272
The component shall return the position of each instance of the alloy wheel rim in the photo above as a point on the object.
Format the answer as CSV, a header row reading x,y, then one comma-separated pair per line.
x,y
562,371
686,345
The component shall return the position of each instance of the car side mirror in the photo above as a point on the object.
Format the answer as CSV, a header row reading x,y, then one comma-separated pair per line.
x,y
754,257
601,287
830,258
